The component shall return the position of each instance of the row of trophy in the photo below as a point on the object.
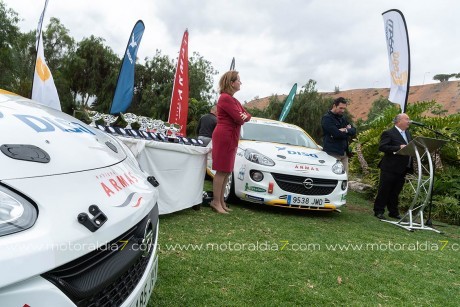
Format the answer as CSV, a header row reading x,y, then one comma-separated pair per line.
x,y
149,129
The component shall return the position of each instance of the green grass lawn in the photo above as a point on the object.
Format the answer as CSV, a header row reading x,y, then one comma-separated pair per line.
x,y
261,255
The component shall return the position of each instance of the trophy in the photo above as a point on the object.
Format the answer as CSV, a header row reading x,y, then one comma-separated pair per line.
x,y
109,119
161,129
130,118
93,116
174,128
156,125
167,129
143,121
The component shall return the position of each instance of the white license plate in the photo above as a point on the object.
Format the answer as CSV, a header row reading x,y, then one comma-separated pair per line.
x,y
147,288
306,201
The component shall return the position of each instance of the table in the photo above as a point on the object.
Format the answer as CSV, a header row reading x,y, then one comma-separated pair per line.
x,y
179,168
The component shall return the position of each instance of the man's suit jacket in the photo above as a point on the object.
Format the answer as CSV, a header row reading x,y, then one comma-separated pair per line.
x,y
390,142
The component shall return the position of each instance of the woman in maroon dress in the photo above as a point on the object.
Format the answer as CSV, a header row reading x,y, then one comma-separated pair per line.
x,y
230,116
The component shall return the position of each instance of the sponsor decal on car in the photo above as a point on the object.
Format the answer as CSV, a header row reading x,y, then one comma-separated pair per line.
x,y
254,198
46,124
247,187
300,167
241,172
114,182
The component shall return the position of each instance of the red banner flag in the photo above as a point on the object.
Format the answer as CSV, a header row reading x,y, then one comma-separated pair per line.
x,y
178,109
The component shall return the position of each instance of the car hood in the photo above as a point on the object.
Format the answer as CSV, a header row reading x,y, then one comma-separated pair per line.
x,y
39,141
289,153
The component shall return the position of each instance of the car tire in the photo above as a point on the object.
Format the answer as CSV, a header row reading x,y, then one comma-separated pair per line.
x,y
229,193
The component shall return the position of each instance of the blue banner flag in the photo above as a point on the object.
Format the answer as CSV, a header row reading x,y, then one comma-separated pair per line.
x,y
125,85
288,103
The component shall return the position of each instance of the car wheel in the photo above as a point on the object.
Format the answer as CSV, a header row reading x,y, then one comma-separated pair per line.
x,y
229,188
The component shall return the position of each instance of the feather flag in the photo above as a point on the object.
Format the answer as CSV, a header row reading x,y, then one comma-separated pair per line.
x,y
178,109
288,103
124,91
398,55
232,64
43,87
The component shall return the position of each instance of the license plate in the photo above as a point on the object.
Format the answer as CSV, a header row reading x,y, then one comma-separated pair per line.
x,y
147,288
306,201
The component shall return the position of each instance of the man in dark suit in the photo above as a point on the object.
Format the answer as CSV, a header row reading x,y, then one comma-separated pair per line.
x,y
393,167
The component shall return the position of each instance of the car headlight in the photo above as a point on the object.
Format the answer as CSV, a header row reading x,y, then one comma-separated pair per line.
x,y
256,157
338,168
16,212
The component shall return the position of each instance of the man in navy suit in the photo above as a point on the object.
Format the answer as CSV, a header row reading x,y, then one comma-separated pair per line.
x,y
393,167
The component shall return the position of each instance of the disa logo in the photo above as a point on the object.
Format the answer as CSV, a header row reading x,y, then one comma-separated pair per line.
x,y
397,77
42,70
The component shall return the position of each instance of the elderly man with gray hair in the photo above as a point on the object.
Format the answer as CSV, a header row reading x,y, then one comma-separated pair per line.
x,y
393,167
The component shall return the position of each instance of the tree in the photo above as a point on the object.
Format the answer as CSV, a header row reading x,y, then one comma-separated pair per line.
x,y
377,108
274,108
307,110
153,86
9,36
444,77
91,71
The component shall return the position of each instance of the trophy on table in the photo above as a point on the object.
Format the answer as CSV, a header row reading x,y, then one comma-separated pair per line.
x,y
130,118
161,130
143,121
174,128
108,120
156,125
93,116
167,129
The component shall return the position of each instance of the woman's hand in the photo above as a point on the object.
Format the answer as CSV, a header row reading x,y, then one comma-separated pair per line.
x,y
243,116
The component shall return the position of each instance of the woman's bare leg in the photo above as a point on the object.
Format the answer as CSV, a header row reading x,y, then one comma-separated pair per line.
x,y
218,191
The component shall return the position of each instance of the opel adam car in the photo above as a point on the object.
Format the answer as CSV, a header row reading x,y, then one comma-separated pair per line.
x,y
279,164
78,218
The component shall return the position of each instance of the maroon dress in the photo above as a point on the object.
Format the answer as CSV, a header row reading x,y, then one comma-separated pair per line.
x,y
227,133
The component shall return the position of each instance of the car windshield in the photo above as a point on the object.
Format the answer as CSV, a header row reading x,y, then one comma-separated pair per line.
x,y
277,134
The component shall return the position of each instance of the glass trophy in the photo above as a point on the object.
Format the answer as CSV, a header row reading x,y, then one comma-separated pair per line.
x,y
130,118
174,128
161,129
93,116
156,125
143,121
109,119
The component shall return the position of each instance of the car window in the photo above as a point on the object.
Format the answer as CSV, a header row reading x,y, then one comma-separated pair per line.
x,y
277,134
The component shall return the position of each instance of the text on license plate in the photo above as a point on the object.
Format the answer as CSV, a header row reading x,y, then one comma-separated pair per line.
x,y
307,201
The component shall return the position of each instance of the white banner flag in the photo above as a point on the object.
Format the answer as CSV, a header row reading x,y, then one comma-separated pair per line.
x,y
43,88
398,56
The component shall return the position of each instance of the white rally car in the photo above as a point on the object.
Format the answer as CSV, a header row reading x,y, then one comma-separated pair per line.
x,y
78,218
279,164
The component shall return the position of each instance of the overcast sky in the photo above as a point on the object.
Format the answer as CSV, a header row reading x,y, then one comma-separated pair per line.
x,y
275,43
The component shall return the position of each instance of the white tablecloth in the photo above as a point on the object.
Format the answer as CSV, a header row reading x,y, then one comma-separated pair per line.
x,y
180,170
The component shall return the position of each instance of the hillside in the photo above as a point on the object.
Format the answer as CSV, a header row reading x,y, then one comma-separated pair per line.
x,y
445,93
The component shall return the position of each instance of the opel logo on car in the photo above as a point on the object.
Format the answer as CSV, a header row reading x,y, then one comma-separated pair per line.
x,y
308,183
147,242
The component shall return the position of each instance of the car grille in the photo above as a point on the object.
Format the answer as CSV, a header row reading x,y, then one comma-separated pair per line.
x,y
108,275
295,184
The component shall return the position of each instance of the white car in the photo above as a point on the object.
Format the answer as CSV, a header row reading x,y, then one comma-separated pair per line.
x,y
78,217
279,164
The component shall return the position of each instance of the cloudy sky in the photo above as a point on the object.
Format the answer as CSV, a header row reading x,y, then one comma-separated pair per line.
x,y
275,43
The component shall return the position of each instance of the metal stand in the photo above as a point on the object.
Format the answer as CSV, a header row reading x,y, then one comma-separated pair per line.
x,y
421,182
